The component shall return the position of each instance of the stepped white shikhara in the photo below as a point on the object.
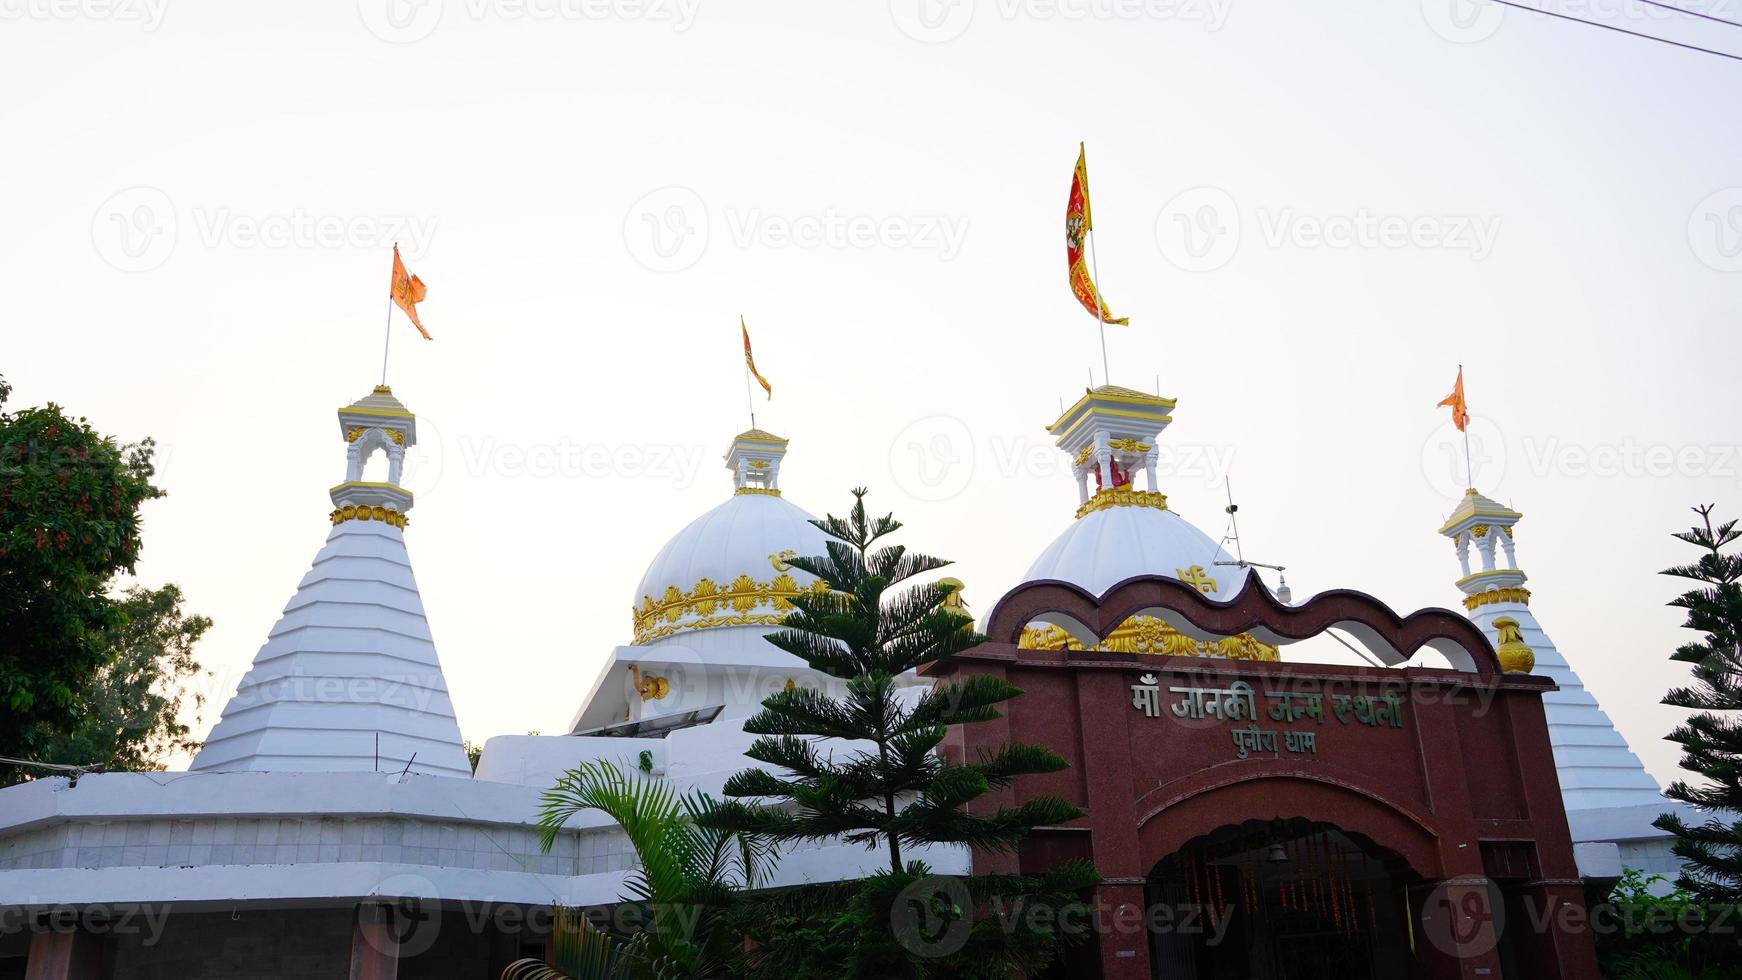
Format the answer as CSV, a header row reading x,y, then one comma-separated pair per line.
x,y
349,679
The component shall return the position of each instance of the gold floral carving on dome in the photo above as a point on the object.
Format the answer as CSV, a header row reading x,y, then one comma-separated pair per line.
x,y
768,491
736,602
1518,595
367,513
1123,497
657,632
1149,635
781,559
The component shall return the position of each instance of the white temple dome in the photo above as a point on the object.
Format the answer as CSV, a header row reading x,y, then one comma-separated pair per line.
x,y
1121,532
1114,543
728,567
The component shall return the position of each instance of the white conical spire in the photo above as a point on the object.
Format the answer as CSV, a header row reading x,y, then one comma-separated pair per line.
x,y
348,678
1596,767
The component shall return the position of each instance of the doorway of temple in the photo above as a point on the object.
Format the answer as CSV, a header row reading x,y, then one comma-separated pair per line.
x,y
1280,900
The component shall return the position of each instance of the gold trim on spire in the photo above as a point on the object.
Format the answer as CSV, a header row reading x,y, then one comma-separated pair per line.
x,y
382,514
1122,497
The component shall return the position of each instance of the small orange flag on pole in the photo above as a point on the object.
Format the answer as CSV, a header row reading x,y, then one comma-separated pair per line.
x,y
407,291
1461,419
1460,408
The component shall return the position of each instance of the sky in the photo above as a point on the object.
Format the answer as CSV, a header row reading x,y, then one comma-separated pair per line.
x,y
1312,214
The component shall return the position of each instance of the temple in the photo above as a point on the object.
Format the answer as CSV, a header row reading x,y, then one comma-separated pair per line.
x,y
1609,797
332,825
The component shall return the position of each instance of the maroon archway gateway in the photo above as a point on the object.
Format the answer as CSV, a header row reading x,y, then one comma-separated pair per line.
x,y
1448,770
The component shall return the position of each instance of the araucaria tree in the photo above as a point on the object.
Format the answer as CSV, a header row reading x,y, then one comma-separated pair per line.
x,y
882,781
1711,739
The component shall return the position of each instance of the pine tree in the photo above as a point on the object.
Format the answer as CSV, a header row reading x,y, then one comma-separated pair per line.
x,y
884,783
1711,740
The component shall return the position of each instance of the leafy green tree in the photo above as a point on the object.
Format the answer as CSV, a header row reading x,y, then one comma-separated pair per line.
x,y
1711,739
130,715
885,783
688,875
69,521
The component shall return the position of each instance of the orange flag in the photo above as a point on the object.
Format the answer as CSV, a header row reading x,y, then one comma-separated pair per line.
x,y
750,362
1078,223
1460,408
407,291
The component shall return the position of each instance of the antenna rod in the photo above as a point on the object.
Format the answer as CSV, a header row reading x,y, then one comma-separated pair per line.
x,y
1234,522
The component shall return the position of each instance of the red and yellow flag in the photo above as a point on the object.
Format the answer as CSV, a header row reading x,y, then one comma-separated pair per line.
x,y
1460,408
407,291
1078,223
750,361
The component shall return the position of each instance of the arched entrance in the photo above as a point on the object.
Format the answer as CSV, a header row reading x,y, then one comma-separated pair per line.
x,y
1279,898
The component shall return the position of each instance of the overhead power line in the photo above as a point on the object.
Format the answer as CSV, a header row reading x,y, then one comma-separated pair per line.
x,y
1623,30
1690,13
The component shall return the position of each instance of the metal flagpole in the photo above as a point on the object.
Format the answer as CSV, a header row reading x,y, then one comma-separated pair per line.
x,y
749,395
387,340
1469,475
1100,314
749,392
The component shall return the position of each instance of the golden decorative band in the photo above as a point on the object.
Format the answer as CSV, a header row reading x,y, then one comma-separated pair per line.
x,y
657,632
366,513
657,618
762,490
354,433
1123,497
1518,595
1146,634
